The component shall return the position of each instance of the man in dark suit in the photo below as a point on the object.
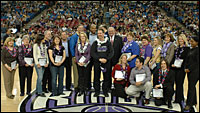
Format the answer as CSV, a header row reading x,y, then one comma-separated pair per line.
x,y
117,44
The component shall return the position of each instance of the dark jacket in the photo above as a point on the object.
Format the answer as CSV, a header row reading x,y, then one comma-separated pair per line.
x,y
117,46
169,80
22,55
106,48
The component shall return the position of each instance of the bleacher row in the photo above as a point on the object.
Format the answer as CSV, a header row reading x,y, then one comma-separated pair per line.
x,y
185,13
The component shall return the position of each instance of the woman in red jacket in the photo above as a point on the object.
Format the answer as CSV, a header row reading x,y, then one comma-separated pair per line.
x,y
120,74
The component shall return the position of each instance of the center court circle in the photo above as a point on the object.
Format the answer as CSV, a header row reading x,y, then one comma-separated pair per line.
x,y
106,108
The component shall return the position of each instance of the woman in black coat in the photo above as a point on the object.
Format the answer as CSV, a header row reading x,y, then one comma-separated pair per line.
x,y
163,78
192,70
181,53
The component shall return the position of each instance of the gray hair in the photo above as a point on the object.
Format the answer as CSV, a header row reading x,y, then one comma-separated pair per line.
x,y
25,36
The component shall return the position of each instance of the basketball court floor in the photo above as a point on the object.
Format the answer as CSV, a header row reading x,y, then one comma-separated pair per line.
x,y
70,102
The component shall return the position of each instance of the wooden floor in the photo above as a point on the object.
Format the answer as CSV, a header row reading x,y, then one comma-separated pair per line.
x,y
11,105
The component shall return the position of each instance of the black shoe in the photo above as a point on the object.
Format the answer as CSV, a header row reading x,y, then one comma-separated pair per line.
x,y
45,91
80,93
61,94
69,89
137,100
22,94
76,90
52,95
170,105
106,94
28,93
96,94
42,95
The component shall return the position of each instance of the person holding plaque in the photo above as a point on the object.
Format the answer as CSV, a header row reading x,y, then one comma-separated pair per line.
x,y
192,70
132,49
9,56
163,78
57,56
120,74
41,60
102,52
82,54
154,63
168,49
25,64
140,80
178,66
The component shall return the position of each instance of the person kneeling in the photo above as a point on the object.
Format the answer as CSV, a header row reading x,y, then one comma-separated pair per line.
x,y
140,79
164,78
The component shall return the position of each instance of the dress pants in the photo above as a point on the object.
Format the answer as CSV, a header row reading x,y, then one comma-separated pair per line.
x,y
68,78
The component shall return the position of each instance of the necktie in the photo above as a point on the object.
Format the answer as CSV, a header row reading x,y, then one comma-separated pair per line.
x,y
112,40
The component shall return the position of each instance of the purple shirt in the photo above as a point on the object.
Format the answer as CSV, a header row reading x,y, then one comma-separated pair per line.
x,y
147,51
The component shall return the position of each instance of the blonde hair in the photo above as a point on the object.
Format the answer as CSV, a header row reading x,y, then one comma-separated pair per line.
x,y
8,40
86,38
25,36
184,39
120,59
159,41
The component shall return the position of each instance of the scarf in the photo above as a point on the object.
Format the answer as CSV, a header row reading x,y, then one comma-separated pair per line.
x,y
82,49
99,43
165,48
126,46
164,76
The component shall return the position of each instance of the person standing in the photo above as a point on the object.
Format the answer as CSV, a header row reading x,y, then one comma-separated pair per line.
x,y
9,56
180,54
92,36
68,60
102,52
117,44
146,50
192,70
142,84
131,47
157,47
57,56
41,60
47,74
25,64
73,42
82,54
163,78
168,49
121,83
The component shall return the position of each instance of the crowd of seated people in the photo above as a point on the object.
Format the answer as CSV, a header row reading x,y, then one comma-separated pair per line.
x,y
64,16
185,13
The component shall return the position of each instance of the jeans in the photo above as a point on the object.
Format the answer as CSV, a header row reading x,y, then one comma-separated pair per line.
x,y
40,72
54,72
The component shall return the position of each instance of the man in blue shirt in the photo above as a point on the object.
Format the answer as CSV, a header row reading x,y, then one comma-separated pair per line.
x,y
68,60
72,43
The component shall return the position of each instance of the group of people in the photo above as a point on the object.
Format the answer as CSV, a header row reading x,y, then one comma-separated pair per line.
x,y
130,65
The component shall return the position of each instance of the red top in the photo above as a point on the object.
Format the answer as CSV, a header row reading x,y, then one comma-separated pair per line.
x,y
118,67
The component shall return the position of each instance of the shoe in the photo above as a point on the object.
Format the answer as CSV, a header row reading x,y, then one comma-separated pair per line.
x,y
69,89
80,93
187,107
76,90
137,100
146,101
61,94
52,95
10,97
96,94
22,94
28,93
106,95
170,105
45,91
42,95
